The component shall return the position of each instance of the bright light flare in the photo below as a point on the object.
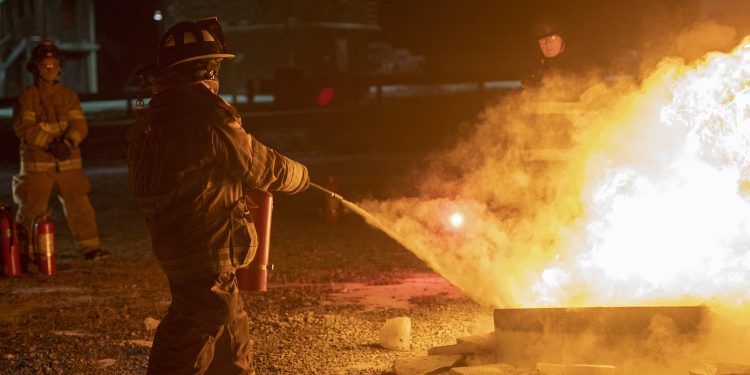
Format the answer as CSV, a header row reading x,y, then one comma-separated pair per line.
x,y
456,220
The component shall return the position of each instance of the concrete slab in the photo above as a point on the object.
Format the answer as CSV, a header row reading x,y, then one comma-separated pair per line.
x,y
718,368
424,365
480,341
494,369
463,348
575,369
589,335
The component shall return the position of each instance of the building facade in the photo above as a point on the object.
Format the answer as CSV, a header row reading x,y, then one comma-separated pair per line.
x,y
287,46
68,23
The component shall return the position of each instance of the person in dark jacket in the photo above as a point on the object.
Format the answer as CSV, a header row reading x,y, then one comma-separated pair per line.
x,y
190,163
554,55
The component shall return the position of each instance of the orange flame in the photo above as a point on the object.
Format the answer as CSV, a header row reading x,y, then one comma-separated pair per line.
x,y
650,206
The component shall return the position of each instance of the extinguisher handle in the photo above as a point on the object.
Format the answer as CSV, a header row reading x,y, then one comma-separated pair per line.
x,y
326,191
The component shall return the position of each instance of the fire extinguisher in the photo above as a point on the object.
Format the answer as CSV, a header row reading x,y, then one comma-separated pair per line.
x,y
11,258
43,242
331,205
254,277
27,256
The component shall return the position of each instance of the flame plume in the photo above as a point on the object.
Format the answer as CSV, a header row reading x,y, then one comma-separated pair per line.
x,y
648,205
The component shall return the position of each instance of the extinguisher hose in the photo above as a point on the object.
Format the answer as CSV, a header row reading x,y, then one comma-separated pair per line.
x,y
327,192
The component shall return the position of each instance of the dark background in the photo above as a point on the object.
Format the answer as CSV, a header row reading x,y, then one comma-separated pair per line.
x,y
488,36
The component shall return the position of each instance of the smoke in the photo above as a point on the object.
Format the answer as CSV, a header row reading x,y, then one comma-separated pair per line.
x,y
703,37
672,30
634,194
517,203
542,183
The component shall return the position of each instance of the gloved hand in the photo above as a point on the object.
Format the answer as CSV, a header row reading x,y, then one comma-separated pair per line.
x,y
59,148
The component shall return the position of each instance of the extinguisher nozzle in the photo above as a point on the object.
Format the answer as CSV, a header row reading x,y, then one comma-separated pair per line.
x,y
327,192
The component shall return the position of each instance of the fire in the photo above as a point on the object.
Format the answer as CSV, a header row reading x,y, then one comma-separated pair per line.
x,y
650,206
666,220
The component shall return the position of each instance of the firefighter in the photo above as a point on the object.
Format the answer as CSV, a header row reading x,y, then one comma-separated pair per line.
x,y
190,162
48,119
552,48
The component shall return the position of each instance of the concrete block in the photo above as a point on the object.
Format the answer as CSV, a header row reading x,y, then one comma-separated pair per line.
x,y
463,348
481,341
578,369
717,368
396,334
423,365
494,369
484,345
525,336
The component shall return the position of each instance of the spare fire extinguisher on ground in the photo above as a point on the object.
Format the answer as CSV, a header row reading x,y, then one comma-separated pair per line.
x,y
11,256
331,206
43,243
24,248
255,277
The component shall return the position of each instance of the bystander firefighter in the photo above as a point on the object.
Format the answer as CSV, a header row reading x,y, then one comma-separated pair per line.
x,y
553,50
48,119
190,162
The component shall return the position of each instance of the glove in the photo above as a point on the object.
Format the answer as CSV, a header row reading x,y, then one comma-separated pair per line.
x,y
60,149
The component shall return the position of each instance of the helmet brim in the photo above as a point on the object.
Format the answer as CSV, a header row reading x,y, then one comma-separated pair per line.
x,y
193,58
153,69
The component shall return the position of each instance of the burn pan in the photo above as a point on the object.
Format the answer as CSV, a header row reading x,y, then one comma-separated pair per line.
x,y
596,335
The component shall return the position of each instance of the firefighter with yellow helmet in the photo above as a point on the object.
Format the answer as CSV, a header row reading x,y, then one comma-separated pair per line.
x,y
190,162
48,119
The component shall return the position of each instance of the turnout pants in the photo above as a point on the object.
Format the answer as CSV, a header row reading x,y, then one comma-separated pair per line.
x,y
205,331
31,192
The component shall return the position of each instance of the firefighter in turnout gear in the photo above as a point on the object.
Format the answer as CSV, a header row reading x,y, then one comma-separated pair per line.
x,y
190,163
48,119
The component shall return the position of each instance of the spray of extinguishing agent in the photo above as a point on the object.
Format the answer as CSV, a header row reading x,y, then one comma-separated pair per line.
x,y
43,240
372,220
11,256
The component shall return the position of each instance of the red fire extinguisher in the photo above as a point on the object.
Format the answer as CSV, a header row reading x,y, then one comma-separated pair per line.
x,y
43,240
254,277
11,258
27,257
331,205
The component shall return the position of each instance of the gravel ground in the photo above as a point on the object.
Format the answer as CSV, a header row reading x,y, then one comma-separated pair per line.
x,y
89,318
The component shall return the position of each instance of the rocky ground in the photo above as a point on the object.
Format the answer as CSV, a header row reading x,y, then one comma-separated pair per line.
x,y
334,286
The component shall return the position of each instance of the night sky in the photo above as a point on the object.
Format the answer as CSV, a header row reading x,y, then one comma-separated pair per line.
x,y
128,36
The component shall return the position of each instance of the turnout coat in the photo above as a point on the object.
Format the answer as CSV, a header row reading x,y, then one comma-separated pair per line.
x,y
190,161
